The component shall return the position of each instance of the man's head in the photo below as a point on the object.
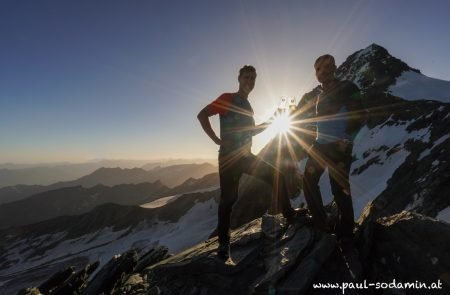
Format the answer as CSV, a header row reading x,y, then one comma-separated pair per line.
x,y
246,78
325,68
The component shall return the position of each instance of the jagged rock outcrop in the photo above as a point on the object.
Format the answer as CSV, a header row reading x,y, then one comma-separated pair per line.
x,y
270,258
407,247
66,281
113,272
119,276
151,257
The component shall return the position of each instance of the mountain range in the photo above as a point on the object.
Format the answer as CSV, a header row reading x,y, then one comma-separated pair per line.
x,y
75,200
401,163
45,174
170,176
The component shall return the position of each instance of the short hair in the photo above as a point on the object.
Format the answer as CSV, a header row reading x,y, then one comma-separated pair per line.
x,y
247,69
324,57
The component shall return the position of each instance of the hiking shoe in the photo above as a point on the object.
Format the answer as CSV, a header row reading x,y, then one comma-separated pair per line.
x,y
272,226
223,252
291,218
323,225
299,217
305,219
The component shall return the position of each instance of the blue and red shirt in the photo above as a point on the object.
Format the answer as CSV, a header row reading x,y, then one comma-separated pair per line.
x,y
237,125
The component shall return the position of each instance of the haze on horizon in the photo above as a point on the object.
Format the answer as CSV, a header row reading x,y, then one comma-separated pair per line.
x,y
122,163
125,80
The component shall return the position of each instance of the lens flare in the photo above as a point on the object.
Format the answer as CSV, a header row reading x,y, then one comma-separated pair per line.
x,y
281,123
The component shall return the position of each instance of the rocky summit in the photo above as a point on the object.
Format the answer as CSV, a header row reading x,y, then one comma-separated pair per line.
x,y
268,257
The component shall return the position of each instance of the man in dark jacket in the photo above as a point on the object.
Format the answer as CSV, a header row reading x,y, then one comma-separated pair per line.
x,y
339,117
237,127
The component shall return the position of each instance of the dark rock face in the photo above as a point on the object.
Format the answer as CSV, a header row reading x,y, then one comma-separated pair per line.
x,y
270,258
15,282
68,281
408,247
372,67
116,277
151,257
114,271
56,279
422,183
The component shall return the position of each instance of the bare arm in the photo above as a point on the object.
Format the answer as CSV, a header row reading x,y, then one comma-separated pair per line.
x,y
261,127
203,117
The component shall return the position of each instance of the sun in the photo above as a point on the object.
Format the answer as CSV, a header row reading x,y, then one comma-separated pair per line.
x,y
281,123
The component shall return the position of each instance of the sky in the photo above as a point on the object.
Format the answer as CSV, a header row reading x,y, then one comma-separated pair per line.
x,y
84,80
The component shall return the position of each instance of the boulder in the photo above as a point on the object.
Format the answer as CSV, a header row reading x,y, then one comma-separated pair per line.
x,y
110,274
409,247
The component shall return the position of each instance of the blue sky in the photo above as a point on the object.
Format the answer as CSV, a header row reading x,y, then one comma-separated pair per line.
x,y
82,80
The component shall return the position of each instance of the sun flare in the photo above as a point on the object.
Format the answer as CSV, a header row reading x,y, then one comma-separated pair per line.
x,y
281,123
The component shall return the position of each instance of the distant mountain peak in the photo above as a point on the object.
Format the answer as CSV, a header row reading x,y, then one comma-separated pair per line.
x,y
106,170
373,49
373,68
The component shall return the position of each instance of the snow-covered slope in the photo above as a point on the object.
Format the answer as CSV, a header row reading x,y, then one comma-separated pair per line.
x,y
414,86
32,253
165,200
378,156
444,215
378,152
401,155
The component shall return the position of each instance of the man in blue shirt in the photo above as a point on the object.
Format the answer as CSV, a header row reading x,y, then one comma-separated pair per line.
x,y
339,117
